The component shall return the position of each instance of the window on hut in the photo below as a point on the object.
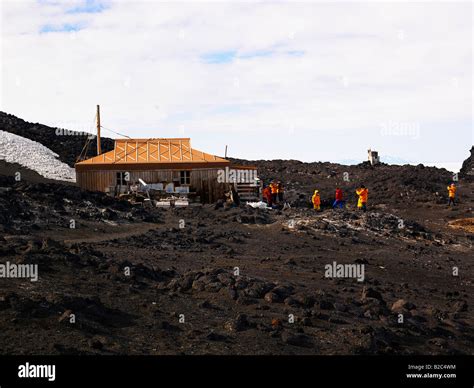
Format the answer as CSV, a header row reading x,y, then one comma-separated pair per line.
x,y
185,177
120,179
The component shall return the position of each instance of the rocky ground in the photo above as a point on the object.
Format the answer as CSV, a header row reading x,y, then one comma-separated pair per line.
x,y
221,280
236,280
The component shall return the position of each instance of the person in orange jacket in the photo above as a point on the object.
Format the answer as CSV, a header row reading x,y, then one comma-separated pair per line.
x,y
452,194
274,189
363,194
316,200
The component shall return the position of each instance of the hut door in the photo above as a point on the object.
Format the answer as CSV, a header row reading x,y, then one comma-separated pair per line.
x,y
121,180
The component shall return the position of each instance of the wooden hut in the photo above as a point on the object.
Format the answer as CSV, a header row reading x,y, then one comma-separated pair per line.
x,y
170,162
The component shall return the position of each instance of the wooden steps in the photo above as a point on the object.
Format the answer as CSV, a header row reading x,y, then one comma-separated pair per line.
x,y
247,191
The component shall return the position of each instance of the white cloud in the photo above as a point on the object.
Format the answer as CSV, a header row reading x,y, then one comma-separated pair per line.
x,y
362,65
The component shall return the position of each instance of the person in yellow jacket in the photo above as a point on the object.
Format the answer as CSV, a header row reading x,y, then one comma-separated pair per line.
x,y
316,200
452,194
363,194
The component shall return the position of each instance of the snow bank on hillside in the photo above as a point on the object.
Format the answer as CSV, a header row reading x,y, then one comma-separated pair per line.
x,y
35,156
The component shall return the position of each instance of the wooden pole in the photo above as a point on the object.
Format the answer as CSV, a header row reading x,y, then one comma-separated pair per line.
x,y
99,150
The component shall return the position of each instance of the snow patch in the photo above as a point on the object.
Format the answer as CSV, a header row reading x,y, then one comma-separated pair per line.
x,y
34,156
258,205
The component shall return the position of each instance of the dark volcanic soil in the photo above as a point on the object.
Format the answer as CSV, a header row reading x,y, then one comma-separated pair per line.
x,y
231,280
206,280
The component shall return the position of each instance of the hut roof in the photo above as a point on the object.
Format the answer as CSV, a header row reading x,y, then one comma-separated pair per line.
x,y
153,151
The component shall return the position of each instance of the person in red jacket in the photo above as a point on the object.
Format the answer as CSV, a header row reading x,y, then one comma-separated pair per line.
x,y
267,195
338,199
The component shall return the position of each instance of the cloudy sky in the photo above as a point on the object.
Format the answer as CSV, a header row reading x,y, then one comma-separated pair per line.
x,y
291,80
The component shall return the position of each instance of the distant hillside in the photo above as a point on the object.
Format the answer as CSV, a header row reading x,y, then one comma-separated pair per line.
x,y
467,169
387,183
68,147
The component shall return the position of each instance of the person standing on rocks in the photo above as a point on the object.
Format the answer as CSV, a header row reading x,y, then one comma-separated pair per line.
x,y
267,195
234,195
452,194
316,200
280,191
274,189
363,194
338,199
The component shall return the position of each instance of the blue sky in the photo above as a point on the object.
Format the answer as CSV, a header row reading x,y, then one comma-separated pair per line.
x,y
310,81
88,6
220,57
60,28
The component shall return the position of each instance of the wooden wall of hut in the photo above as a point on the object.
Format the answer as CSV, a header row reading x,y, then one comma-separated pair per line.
x,y
202,181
